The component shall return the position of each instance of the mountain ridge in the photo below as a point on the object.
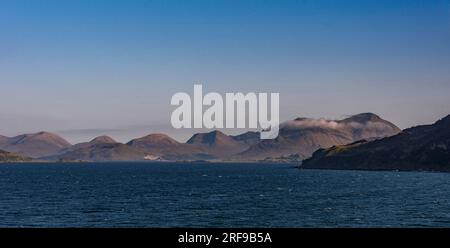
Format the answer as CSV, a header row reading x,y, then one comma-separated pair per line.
x,y
298,138
425,147
302,136
34,145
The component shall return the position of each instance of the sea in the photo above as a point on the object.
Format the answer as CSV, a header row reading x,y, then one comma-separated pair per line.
x,y
218,195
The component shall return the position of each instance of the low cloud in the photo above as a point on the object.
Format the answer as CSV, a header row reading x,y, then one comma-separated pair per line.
x,y
309,123
304,123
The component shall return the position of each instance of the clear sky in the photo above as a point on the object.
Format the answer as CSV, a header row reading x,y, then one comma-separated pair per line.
x,y
86,68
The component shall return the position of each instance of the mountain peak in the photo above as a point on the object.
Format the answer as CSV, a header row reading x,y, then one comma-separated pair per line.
x,y
103,139
158,137
253,134
42,136
212,138
35,145
153,139
363,118
301,119
216,133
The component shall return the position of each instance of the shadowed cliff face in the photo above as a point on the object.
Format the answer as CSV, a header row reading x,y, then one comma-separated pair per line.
x,y
303,136
418,148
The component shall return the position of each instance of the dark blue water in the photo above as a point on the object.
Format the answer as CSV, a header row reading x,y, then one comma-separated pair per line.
x,y
217,195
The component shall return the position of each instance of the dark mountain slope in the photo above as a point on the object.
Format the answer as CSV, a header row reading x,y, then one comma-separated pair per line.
x,y
418,148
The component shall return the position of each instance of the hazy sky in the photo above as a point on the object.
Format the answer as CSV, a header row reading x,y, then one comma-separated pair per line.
x,y
86,68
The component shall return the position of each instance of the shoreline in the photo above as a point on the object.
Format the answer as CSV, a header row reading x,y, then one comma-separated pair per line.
x,y
292,164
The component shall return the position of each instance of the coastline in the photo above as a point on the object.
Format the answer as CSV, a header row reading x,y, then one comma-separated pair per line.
x,y
295,165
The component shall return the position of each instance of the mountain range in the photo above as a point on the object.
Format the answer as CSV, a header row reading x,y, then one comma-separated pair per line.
x,y
424,147
297,139
303,136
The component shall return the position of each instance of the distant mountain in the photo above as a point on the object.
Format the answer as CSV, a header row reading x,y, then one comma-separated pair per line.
x,y
8,157
303,136
419,148
154,141
218,144
103,139
212,139
34,145
214,145
102,148
95,141
165,147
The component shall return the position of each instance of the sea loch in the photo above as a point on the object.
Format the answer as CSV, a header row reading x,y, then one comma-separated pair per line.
x,y
217,195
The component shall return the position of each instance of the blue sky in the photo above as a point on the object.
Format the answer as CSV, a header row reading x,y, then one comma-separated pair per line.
x,y
86,68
